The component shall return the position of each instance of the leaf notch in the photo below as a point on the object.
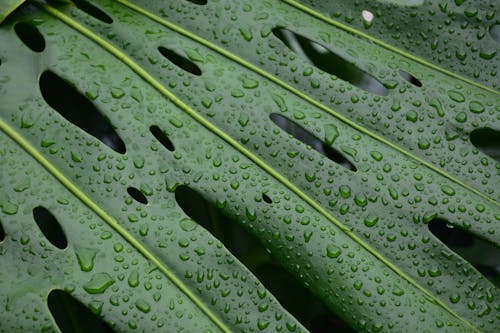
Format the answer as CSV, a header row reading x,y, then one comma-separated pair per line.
x,y
69,103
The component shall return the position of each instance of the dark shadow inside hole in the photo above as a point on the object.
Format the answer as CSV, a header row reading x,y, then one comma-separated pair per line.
x,y
77,109
137,195
162,137
410,78
315,316
307,138
50,227
495,32
449,235
180,61
72,316
487,140
30,36
2,232
198,2
483,255
266,198
329,62
93,11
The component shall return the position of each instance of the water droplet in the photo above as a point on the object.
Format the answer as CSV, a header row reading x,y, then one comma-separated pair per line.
x,y
448,190
9,208
371,220
86,258
476,107
333,251
98,283
143,306
331,133
133,279
456,96
188,224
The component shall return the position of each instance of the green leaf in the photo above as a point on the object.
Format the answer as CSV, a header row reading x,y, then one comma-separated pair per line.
x,y
338,179
8,7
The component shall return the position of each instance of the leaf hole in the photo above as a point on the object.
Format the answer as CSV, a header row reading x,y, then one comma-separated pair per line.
x,y
266,198
410,78
495,32
50,227
137,195
162,137
198,2
244,246
487,140
180,61
481,254
77,109
30,36
71,315
328,61
2,232
307,138
93,11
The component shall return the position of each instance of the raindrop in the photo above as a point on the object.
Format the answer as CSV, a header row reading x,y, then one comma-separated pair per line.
x,y
483,255
50,227
137,195
180,61
266,198
305,137
30,36
329,62
410,78
160,136
2,232
198,2
495,32
92,10
72,316
487,140
77,109
367,16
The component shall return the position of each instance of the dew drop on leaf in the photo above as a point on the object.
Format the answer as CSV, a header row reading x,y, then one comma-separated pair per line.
x,y
98,283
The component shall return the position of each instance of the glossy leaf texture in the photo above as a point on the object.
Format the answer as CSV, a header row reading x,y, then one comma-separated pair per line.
x,y
216,96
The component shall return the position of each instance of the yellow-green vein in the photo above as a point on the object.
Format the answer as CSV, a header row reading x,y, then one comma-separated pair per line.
x,y
214,129
385,45
109,220
302,95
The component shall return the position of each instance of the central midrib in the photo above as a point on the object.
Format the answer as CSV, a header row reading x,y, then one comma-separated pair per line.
x,y
214,129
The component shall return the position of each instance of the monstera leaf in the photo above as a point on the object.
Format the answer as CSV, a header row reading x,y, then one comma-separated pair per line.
x,y
356,141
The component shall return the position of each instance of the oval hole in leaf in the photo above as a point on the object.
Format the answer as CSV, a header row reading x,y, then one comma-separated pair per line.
x,y
93,11
410,78
328,61
77,109
180,61
30,36
316,317
487,140
481,254
137,195
50,227
72,316
266,198
162,137
304,136
2,232
495,32
198,2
